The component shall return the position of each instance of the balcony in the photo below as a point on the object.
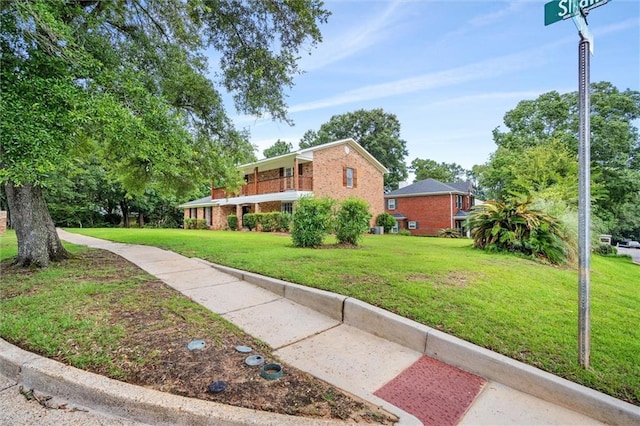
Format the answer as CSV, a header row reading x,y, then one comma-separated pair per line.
x,y
269,186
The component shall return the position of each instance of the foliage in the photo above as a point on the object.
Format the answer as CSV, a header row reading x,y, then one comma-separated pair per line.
x,y
189,223
269,221
312,221
605,250
537,154
250,221
443,172
201,224
280,147
386,220
352,220
376,131
232,222
515,227
405,232
449,233
284,222
128,82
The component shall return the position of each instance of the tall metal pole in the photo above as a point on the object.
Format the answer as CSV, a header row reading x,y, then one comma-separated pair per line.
x,y
584,204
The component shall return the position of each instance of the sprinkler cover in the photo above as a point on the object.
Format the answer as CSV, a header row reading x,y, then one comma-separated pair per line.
x,y
254,360
196,344
243,349
217,386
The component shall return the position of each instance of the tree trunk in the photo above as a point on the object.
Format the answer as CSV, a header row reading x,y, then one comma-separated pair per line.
x,y
38,242
124,207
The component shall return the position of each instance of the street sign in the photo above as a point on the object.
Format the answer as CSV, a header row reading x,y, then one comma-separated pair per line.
x,y
557,10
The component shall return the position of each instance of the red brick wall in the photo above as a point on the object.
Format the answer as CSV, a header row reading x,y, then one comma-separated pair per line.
x,y
432,212
328,167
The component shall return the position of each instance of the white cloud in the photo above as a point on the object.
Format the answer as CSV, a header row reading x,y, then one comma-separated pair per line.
x,y
476,71
359,36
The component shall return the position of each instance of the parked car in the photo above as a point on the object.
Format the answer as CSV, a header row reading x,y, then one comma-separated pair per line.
x,y
633,244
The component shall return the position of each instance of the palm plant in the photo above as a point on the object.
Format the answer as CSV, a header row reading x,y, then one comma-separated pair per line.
x,y
516,227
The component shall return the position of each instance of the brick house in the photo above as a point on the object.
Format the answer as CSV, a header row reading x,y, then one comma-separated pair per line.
x,y
428,206
336,170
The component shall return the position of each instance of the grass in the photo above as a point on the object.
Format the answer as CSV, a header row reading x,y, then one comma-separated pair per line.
x,y
518,307
65,311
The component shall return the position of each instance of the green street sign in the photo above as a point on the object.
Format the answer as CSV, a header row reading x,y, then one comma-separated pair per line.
x,y
557,10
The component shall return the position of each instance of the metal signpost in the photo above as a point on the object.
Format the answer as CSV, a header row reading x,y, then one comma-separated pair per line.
x,y
556,11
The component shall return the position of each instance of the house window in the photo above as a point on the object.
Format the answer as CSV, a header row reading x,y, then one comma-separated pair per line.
x,y
349,177
207,215
391,204
193,213
412,224
287,208
459,201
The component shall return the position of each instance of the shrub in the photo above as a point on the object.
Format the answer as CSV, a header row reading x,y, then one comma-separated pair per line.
x,y
386,220
514,226
189,223
605,250
269,221
404,232
232,222
449,233
352,220
284,222
312,221
250,220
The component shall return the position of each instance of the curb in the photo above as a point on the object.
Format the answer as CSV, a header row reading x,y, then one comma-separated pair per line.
x,y
451,350
128,401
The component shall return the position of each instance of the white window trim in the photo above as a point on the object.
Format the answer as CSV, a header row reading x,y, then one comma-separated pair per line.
x,y
350,178
389,202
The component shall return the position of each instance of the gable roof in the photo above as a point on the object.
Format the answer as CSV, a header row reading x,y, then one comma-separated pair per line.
x,y
431,187
306,154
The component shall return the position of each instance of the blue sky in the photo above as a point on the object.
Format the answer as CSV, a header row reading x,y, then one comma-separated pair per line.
x,y
449,70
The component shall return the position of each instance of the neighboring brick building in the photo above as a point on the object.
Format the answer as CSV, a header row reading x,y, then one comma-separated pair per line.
x,y
428,206
336,170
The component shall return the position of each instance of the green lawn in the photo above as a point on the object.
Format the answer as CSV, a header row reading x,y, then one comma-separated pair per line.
x,y
518,307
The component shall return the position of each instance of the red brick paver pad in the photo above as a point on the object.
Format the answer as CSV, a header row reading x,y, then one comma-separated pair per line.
x,y
434,392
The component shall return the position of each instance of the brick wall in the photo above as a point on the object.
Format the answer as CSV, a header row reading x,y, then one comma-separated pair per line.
x,y
328,167
432,212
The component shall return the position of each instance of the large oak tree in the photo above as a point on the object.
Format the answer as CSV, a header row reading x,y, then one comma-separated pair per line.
x,y
127,81
537,153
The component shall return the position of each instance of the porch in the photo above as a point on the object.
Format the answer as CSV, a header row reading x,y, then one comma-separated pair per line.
x,y
269,186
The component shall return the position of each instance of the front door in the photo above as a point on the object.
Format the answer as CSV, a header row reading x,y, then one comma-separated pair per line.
x,y
245,210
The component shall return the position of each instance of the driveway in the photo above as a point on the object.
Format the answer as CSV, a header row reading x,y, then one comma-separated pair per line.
x,y
633,252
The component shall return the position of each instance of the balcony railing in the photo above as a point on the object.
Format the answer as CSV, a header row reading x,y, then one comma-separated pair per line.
x,y
269,186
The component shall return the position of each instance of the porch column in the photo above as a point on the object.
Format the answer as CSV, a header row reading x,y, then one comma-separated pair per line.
x,y
256,208
239,215
295,174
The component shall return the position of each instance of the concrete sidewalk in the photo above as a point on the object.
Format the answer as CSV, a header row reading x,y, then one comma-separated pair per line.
x,y
347,343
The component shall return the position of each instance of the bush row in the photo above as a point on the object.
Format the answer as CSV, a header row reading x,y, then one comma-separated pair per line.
x,y
265,222
191,223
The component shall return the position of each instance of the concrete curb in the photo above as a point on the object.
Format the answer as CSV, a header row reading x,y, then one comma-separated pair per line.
x,y
451,350
129,401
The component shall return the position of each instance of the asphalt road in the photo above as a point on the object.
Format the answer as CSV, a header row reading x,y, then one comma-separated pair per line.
x,y
633,252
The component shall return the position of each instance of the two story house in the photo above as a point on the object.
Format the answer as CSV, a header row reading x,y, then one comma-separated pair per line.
x,y
337,170
428,206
